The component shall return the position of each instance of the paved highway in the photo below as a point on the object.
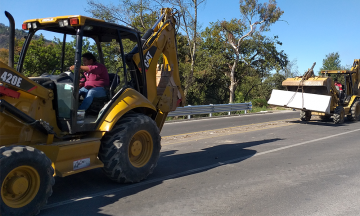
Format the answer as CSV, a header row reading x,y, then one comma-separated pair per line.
x,y
277,167
182,127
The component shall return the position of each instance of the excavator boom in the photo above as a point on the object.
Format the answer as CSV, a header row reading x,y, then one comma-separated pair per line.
x,y
162,80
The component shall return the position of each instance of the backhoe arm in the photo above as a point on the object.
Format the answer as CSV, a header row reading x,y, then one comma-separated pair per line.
x,y
162,80
356,76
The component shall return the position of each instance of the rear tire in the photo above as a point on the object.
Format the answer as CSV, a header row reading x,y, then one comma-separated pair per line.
x,y
355,111
26,179
130,151
339,115
305,115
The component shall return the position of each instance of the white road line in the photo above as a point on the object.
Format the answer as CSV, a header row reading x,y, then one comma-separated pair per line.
x,y
188,172
306,142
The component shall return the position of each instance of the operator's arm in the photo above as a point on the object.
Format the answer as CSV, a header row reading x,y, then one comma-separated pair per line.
x,y
83,68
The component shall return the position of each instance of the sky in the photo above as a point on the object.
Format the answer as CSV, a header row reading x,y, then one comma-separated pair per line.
x,y
311,28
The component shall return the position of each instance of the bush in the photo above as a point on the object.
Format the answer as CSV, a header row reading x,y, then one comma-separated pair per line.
x,y
259,102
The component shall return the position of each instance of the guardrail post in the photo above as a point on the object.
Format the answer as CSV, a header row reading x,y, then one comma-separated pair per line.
x,y
249,107
212,110
229,113
189,116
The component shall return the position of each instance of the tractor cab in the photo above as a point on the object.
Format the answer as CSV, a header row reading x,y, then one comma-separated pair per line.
x,y
346,79
110,40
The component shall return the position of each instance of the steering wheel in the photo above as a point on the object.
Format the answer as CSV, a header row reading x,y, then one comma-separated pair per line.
x,y
55,70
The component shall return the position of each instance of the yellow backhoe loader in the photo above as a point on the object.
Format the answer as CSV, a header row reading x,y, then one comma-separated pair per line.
x,y
318,95
42,133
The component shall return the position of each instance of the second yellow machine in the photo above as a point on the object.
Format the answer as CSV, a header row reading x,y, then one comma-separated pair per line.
x,y
318,95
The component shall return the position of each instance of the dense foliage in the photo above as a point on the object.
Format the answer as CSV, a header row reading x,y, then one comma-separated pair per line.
x,y
260,67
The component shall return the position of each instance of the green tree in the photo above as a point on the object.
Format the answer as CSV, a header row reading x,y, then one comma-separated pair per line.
x,y
4,55
190,25
212,76
40,57
138,14
331,62
273,82
253,14
291,69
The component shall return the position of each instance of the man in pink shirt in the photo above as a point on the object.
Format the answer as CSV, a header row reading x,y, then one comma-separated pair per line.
x,y
97,78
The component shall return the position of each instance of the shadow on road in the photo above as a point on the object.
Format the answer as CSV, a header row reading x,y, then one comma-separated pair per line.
x,y
97,192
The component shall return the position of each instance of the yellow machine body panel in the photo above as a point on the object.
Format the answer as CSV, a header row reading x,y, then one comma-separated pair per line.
x,y
70,157
129,99
24,84
34,101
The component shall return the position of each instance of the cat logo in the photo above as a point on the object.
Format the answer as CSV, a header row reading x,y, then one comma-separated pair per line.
x,y
148,59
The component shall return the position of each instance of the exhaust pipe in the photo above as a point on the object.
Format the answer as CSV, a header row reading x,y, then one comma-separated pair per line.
x,y
11,39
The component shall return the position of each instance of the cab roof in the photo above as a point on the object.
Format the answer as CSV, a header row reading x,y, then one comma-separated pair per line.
x,y
93,28
56,19
337,72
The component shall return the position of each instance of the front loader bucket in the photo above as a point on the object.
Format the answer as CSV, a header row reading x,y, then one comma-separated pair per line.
x,y
316,96
314,85
299,100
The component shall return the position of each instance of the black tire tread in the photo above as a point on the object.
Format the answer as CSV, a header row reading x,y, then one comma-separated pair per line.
x,y
111,152
337,115
12,153
305,115
353,115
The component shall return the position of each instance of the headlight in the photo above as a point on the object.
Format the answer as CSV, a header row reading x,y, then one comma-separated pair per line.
x,y
29,25
61,23
66,22
34,25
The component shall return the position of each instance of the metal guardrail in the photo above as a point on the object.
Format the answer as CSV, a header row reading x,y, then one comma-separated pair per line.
x,y
210,109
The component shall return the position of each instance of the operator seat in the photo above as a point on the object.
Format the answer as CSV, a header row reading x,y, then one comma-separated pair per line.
x,y
342,95
98,103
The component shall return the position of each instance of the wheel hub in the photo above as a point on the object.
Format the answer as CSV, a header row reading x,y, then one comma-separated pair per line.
x,y
17,185
20,186
140,148
136,148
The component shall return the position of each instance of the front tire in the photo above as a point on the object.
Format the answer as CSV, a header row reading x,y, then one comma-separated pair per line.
x,y
130,151
26,179
305,115
355,111
339,115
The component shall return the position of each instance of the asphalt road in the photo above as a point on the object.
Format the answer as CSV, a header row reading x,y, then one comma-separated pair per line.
x,y
270,168
181,127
